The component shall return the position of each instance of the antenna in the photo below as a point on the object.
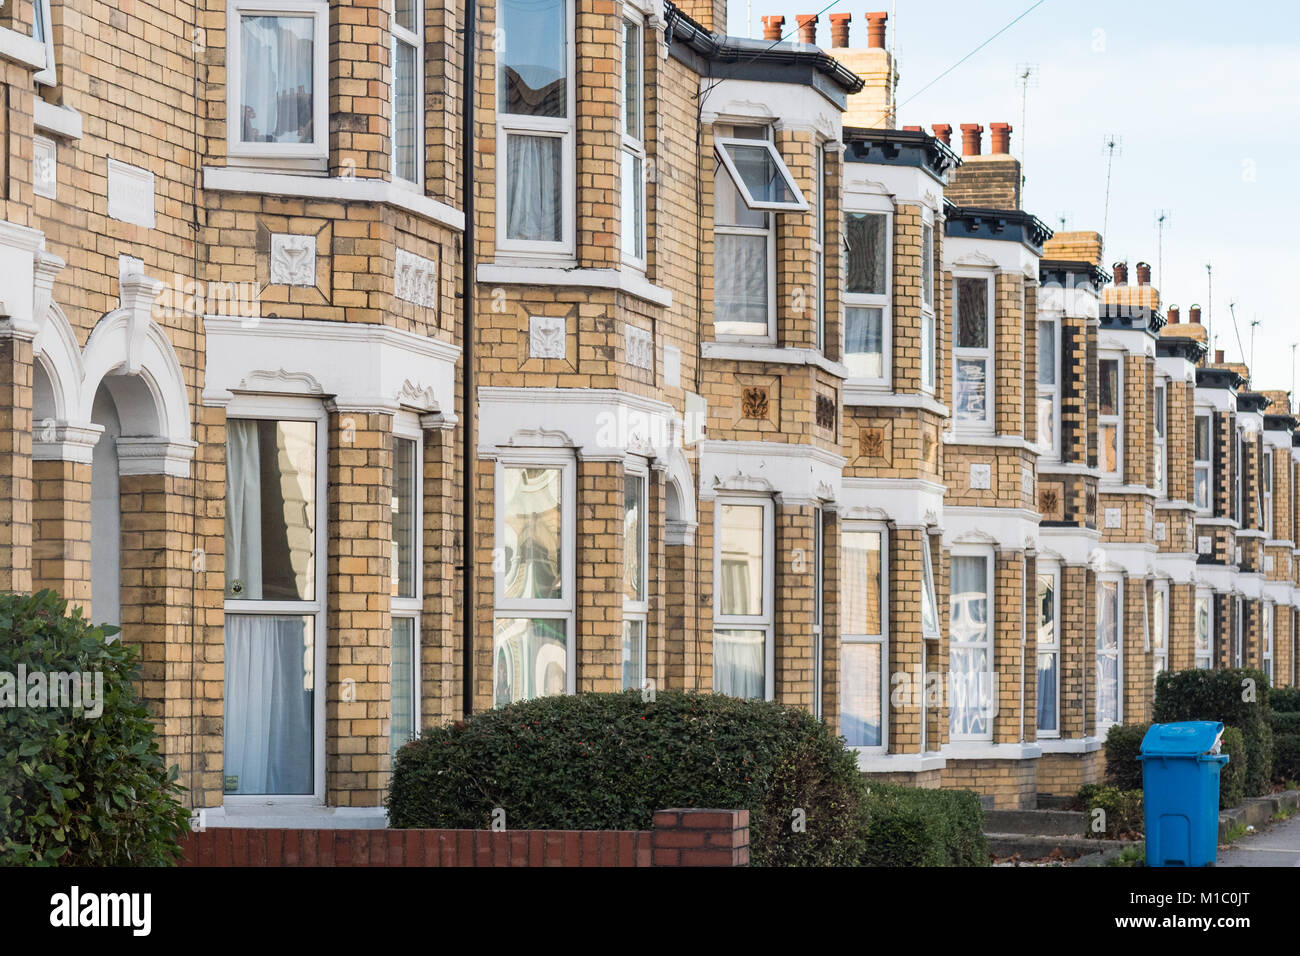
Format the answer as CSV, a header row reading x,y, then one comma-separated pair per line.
x,y
1027,78
1232,310
1164,219
1255,323
1063,218
1209,300
1114,146
1290,407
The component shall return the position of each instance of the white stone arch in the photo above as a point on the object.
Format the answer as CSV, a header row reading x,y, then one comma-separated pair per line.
x,y
680,489
59,359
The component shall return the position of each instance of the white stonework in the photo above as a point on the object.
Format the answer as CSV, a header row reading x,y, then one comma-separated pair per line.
x,y
546,335
1114,517
639,346
1204,545
1160,531
981,477
44,167
672,366
293,259
415,279
130,194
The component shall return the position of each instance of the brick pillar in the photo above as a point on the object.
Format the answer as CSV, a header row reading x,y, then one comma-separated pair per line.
x,y
1008,613
1136,677
359,647
796,288
1138,430
15,461
906,645
656,574
599,650
906,329
61,529
793,623
1253,632
359,84
706,591
441,669
681,636
599,124
937,651
1182,627
700,838
831,628
1031,645
1282,656
1009,338
1078,650
1030,371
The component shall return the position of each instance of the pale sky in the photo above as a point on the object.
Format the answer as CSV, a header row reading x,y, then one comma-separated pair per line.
x,y
1203,95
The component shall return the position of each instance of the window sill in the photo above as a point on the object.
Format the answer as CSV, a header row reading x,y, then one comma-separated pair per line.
x,y
986,750
272,815
564,273
56,120
761,352
1076,745
873,761
18,48
855,394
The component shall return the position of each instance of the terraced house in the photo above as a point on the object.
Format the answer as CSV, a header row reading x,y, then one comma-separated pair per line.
x,y
363,397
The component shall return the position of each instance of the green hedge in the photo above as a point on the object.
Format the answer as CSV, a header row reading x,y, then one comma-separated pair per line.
x,y
1123,745
1286,758
1285,699
1123,810
1284,721
608,761
1232,775
1224,695
80,788
907,826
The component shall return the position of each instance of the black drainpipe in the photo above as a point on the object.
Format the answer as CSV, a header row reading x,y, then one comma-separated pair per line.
x,y
467,403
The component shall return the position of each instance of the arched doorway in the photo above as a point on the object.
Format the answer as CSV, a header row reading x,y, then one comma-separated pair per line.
x,y
106,513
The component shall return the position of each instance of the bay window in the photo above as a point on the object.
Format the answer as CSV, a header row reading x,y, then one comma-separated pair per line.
x,y
1049,387
1201,463
535,131
1110,607
1204,629
929,355
867,337
973,351
743,572
1159,629
635,578
634,158
1049,650
1159,444
1110,427
536,514
970,649
408,90
277,74
274,603
864,653
406,587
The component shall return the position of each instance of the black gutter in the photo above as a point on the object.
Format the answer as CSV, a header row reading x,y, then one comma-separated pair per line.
x,y
467,403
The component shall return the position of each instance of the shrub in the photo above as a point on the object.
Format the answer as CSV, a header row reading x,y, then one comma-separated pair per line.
x,y
1285,699
1232,775
1123,810
1123,745
608,761
80,790
1223,695
907,826
1284,722
1286,757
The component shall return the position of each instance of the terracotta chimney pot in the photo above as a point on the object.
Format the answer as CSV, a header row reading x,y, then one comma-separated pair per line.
x,y
876,30
1144,273
1173,315
1121,273
840,29
1001,138
970,138
807,28
1194,313
943,133
773,27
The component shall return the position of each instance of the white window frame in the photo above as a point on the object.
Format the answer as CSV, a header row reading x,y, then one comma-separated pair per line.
x,y
881,639
986,355
1160,615
1238,650
1203,658
873,206
800,203
319,148
1115,420
1052,452
1117,653
1053,569
634,610
41,14
1206,464
768,232
749,622
819,240
406,427
556,609
929,323
1268,608
1239,497
1159,440
819,608
562,128
989,643
634,140
415,40
927,585
1266,488
286,409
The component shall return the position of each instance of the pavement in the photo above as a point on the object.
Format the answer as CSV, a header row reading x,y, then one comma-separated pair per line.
x,y
1279,845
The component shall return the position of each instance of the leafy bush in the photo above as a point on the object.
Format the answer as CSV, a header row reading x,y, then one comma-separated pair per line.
x,y
907,826
1123,745
1232,775
1286,757
608,761
1285,700
1237,696
1284,722
1123,810
79,789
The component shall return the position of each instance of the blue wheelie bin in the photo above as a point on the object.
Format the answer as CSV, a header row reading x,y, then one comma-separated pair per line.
x,y
1180,784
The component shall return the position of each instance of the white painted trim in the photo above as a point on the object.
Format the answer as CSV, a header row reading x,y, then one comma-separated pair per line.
x,y
871,762
747,622
1075,745
776,355
68,443
869,397
232,179
983,750
255,814
907,502
57,120
598,422
1072,547
627,281
155,456
18,48
800,474
1012,529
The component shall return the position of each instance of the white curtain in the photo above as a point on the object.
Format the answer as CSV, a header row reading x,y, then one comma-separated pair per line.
x,y
739,660
534,188
270,676
1047,691
276,79
243,511
740,284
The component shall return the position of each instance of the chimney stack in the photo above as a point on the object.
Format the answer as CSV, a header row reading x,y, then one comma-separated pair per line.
x,y
970,138
1121,273
840,29
943,132
773,27
1194,313
1218,356
1173,315
1001,138
807,28
1144,273
876,30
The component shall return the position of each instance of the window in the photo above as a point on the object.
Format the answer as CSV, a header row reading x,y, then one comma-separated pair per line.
x,y
633,174
1109,653
1158,458
533,646
1159,630
1239,479
759,173
278,77
408,90
863,651
929,358
973,351
1204,625
635,578
819,584
1049,387
929,606
744,248
743,572
1201,473
1049,650
1268,642
43,32
819,243
1110,439
1238,629
970,653
274,606
535,127
406,603
1266,483
866,295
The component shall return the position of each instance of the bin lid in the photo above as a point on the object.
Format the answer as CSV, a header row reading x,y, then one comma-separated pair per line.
x,y
1188,738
